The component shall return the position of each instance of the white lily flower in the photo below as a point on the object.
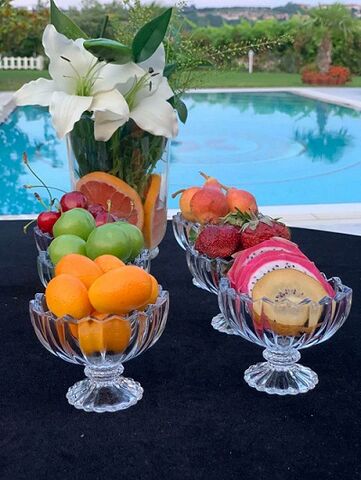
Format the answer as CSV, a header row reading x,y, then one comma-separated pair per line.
x,y
78,78
146,94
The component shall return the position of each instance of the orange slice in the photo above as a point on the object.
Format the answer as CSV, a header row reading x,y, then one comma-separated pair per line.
x,y
100,187
155,214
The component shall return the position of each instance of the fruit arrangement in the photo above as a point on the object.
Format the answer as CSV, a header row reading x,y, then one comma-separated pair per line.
x,y
107,199
76,231
212,201
101,294
278,271
228,218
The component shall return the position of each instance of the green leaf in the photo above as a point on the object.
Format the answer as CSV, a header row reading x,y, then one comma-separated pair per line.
x,y
169,69
150,36
181,108
109,50
103,27
64,24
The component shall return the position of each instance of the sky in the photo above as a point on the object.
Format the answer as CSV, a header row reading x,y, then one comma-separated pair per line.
x,y
206,3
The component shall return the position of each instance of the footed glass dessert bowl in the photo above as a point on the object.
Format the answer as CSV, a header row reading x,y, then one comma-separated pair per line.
x,y
46,267
42,240
102,346
284,327
207,274
185,232
206,271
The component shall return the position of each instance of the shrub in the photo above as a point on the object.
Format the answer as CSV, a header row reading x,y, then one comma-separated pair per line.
x,y
336,75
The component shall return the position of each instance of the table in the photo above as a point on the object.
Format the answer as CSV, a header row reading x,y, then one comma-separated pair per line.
x,y
198,419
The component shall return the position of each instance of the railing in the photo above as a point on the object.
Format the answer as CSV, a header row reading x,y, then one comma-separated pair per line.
x,y
22,63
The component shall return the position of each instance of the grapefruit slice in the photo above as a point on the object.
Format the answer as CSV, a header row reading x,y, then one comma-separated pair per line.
x,y
100,187
155,214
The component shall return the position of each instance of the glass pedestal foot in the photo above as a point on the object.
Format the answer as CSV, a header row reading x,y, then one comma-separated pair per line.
x,y
104,391
196,283
154,253
220,324
281,375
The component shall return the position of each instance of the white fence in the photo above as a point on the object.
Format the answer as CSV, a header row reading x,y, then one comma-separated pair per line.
x,y
22,63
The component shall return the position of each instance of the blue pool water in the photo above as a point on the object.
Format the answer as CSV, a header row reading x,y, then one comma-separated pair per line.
x,y
284,148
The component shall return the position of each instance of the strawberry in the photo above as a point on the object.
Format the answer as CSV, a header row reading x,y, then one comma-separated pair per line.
x,y
218,241
256,228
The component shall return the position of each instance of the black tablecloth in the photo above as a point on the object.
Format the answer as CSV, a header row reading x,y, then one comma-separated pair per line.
x,y
198,419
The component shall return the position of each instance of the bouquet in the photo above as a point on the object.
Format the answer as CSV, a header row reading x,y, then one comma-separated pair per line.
x,y
114,105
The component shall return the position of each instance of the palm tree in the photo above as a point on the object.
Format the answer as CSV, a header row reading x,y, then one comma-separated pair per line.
x,y
330,22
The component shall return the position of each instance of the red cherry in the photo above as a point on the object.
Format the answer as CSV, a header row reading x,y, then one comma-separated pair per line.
x,y
73,200
104,217
46,221
95,209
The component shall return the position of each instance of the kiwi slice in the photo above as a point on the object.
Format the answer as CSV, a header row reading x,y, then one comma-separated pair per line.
x,y
285,314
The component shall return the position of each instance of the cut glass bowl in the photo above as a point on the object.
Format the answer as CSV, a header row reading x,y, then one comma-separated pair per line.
x,y
185,232
281,374
102,346
42,240
46,267
206,272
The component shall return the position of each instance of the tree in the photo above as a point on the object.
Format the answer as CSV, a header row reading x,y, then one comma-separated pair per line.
x,y
328,23
21,29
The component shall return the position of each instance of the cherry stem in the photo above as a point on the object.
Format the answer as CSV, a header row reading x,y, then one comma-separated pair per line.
x,y
41,201
109,206
26,162
42,186
131,211
25,227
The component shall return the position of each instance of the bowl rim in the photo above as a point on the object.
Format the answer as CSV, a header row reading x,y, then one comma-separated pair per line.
x,y
37,304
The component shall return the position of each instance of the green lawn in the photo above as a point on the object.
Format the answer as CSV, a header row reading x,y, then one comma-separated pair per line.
x,y
231,78
14,79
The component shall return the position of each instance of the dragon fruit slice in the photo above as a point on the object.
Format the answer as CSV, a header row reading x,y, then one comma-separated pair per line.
x,y
244,257
270,261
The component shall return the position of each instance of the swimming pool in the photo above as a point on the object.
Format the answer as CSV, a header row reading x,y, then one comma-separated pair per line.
x,y
285,148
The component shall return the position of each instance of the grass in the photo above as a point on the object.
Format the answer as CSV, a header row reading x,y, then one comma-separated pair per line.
x,y
232,78
14,79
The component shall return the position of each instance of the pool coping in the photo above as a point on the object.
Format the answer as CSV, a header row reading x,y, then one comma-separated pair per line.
x,y
308,92
7,105
339,217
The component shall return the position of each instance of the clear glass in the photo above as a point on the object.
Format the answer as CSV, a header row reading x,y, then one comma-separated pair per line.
x,y
46,267
42,240
281,374
132,155
184,231
206,272
102,346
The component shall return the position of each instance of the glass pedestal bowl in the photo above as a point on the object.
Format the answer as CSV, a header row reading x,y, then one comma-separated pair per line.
x,y
42,240
46,267
207,274
102,346
185,232
281,374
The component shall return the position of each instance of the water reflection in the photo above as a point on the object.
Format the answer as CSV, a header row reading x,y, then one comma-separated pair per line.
x,y
325,145
27,130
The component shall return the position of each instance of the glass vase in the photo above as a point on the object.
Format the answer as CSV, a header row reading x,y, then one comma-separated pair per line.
x,y
134,156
